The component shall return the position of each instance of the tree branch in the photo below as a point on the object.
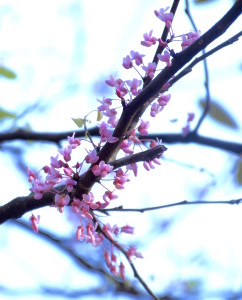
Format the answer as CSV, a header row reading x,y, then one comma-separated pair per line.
x,y
184,202
206,75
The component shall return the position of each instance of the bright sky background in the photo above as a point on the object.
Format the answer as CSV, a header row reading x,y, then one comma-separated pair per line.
x,y
62,51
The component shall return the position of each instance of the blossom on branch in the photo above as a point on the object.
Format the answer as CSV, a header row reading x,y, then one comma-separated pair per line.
x,y
149,40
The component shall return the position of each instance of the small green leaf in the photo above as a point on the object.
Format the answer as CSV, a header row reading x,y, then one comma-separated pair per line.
x,y
219,114
7,73
239,173
79,122
202,1
5,114
99,116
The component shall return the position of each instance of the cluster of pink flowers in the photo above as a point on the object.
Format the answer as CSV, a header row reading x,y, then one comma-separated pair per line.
x,y
61,176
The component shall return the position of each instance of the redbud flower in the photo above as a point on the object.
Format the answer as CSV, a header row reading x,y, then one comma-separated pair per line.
x,y
162,44
127,229
76,205
134,84
120,179
164,17
92,157
188,39
80,233
70,184
74,142
106,134
66,152
164,99
125,146
105,103
133,252
148,39
61,201
133,167
108,196
190,117
55,163
34,221
111,82
143,127
31,174
155,109
150,69
122,271
165,58
102,169
138,58
127,63
89,198
121,90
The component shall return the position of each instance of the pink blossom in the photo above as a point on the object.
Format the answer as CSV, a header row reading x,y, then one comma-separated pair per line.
x,y
133,252
127,63
125,146
155,109
76,205
106,134
190,117
74,142
162,44
112,113
122,271
68,171
108,196
80,233
89,198
102,169
108,230
70,184
107,259
61,201
134,84
92,157
150,69
39,188
164,99
66,152
190,38
186,129
143,127
164,17
165,58
53,177
92,236
137,57
120,179
34,221
31,175
148,39
121,90
127,229
133,167
111,82
134,138
105,104
55,162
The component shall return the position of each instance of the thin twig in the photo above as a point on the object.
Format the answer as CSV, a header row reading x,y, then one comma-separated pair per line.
x,y
188,69
121,249
184,202
206,74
